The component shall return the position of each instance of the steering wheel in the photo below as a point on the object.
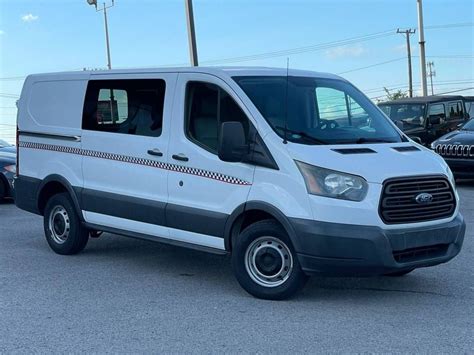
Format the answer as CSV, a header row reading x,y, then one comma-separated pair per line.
x,y
328,124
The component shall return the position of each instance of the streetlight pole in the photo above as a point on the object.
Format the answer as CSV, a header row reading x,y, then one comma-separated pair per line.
x,y
191,33
407,33
431,74
421,33
107,43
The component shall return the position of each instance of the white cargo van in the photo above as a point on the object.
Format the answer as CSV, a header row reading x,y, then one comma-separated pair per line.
x,y
293,174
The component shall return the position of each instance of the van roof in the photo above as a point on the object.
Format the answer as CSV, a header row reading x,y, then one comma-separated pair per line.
x,y
219,71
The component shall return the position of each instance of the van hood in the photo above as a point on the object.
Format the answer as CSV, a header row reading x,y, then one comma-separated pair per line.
x,y
374,162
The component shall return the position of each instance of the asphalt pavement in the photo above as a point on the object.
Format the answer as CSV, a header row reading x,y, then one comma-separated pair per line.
x,y
127,295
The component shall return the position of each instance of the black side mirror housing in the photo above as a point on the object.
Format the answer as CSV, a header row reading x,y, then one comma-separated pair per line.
x,y
416,139
233,146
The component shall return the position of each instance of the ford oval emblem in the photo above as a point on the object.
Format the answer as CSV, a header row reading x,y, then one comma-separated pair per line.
x,y
424,198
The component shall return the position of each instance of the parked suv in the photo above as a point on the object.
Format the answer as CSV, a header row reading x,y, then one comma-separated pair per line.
x,y
457,148
293,175
426,118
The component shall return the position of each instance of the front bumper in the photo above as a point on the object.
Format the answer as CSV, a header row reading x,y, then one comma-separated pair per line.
x,y
461,168
341,249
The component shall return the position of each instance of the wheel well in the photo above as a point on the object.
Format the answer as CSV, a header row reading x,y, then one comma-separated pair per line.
x,y
246,219
50,189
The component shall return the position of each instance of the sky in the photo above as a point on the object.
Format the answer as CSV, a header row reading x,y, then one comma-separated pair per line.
x,y
354,38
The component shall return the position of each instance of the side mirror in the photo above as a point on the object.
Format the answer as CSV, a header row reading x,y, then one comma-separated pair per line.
x,y
416,139
232,145
434,120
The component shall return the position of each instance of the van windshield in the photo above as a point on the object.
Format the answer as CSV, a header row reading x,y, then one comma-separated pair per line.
x,y
317,111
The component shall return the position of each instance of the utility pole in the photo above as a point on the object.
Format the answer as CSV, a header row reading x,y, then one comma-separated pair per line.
x,y
431,74
421,33
407,33
191,33
104,8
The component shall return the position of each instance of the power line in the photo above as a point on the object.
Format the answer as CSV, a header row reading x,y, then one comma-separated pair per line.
x,y
450,92
372,65
450,25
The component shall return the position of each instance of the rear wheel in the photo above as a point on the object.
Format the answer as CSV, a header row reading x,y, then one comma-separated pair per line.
x,y
265,263
62,226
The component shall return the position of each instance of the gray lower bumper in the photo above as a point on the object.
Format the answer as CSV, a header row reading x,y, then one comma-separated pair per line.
x,y
342,249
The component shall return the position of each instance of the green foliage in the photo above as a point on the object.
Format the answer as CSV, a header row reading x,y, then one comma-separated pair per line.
x,y
399,94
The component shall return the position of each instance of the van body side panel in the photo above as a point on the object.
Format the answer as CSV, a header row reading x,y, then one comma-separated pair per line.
x,y
49,123
121,178
284,188
204,190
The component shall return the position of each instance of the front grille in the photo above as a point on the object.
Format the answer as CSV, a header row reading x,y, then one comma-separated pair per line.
x,y
420,253
455,151
399,205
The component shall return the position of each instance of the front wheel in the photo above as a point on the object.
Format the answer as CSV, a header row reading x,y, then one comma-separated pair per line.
x,y
62,227
265,263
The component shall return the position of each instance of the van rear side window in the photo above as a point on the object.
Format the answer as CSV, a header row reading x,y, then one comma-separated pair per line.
x,y
125,106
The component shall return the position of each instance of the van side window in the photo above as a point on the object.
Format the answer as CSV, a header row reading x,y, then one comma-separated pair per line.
x,y
455,111
207,106
132,106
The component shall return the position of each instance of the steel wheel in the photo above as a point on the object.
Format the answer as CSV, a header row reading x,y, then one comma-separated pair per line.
x,y
268,261
59,224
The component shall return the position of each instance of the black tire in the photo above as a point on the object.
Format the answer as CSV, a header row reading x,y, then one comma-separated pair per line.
x,y
67,235
270,244
3,190
399,273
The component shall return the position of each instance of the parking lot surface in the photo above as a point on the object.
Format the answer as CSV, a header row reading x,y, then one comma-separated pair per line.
x,y
127,295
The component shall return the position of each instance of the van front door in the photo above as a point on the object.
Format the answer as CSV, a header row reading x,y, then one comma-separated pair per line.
x,y
126,128
203,190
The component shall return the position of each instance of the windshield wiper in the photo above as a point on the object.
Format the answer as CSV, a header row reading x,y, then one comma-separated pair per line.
x,y
373,140
302,134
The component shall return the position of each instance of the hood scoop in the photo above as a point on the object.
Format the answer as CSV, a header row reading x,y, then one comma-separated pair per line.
x,y
409,148
354,150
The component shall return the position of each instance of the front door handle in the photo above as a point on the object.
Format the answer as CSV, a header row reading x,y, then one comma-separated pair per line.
x,y
155,152
180,157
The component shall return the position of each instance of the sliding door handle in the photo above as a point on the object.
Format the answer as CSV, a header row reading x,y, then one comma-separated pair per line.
x,y
155,152
180,157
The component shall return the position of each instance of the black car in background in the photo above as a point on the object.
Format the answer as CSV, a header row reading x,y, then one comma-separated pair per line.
x,y
457,149
7,168
425,119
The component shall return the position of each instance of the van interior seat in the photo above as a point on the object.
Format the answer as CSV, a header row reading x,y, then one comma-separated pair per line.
x,y
204,122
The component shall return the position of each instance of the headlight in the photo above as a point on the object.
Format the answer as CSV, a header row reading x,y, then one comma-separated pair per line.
x,y
433,145
334,184
10,168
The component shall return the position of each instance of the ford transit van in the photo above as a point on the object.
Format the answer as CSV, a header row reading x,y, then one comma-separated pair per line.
x,y
293,174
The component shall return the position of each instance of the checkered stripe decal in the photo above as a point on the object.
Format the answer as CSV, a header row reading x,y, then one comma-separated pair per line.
x,y
134,160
